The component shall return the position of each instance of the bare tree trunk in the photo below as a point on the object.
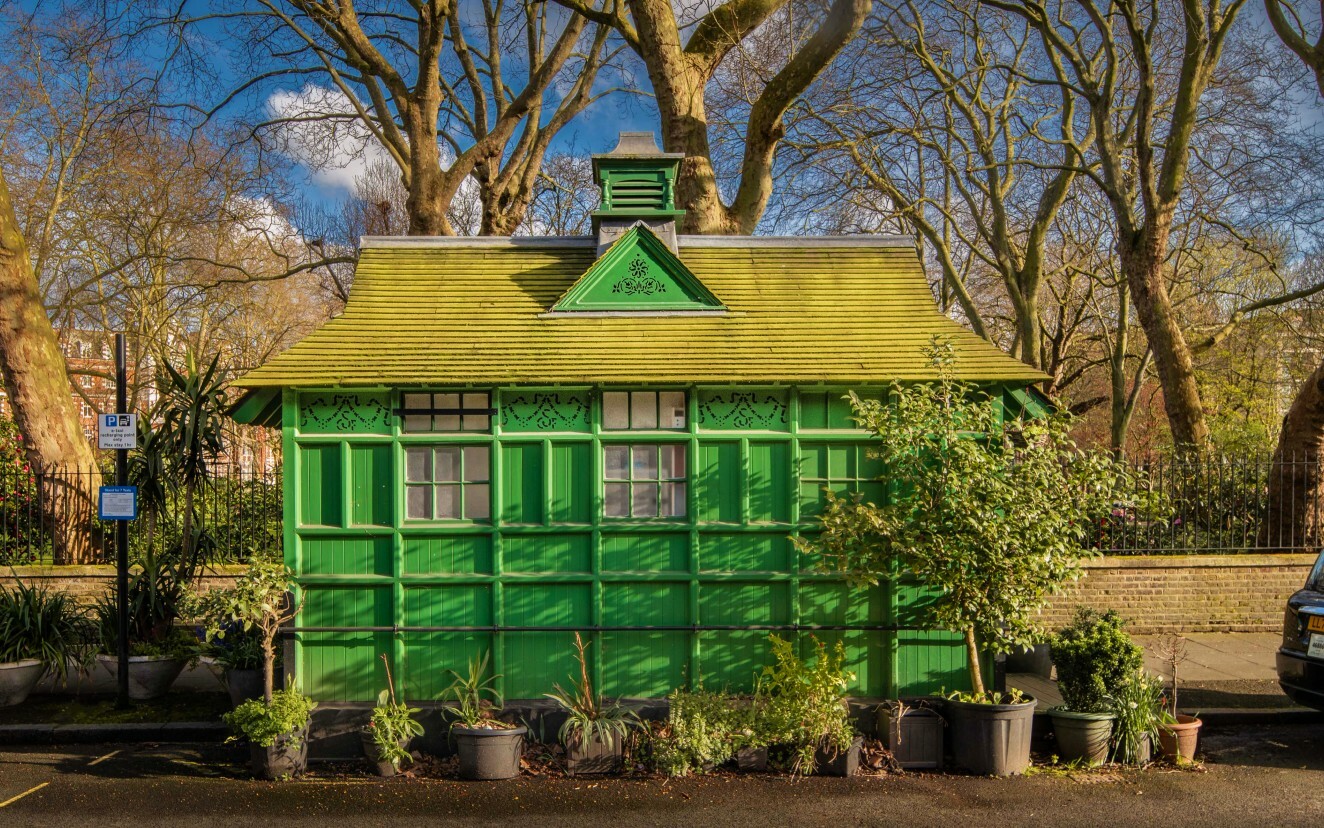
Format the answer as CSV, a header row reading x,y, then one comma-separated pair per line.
x,y
976,670
1143,263
1296,492
37,382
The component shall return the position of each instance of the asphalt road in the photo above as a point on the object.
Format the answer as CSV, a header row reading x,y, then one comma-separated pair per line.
x,y
1270,776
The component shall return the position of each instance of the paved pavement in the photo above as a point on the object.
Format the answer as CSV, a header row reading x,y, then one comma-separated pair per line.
x,y
1219,656
1255,776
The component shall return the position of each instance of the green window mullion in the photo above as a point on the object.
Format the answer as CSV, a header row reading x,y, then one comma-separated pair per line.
x,y
289,420
346,485
692,518
497,508
744,481
595,518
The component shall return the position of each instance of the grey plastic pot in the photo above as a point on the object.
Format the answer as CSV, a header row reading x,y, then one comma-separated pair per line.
x,y
285,759
1036,660
1082,737
150,677
594,756
752,760
991,739
17,678
385,769
242,685
916,739
486,753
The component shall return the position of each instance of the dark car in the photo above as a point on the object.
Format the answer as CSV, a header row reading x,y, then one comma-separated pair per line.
x,y
1301,658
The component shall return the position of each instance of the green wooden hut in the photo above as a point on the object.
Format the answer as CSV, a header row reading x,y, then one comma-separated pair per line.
x,y
503,441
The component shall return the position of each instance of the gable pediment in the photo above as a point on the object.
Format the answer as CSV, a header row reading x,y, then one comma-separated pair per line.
x,y
638,274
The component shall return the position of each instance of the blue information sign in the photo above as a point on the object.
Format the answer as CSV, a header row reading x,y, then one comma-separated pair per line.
x,y
118,503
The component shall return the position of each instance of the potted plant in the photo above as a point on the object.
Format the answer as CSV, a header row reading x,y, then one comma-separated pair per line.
x,y
1094,656
40,631
595,729
1179,733
989,516
803,707
390,730
488,747
275,725
700,732
159,649
1137,703
237,658
913,732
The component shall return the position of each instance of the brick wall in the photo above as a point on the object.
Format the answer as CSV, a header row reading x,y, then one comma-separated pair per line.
x,y
1187,593
88,582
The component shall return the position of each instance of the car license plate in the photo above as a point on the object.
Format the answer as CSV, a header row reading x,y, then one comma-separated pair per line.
x,y
1315,623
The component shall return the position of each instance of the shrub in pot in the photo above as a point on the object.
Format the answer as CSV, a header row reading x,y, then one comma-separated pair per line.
x,y
275,725
1094,656
700,733
390,730
238,657
40,631
991,516
595,729
803,711
488,748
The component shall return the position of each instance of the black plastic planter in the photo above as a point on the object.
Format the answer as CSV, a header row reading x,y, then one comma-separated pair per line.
x,y
488,753
384,768
285,759
752,760
830,761
991,739
916,739
243,685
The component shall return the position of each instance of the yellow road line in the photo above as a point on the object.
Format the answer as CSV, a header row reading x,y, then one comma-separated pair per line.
x,y
101,759
14,799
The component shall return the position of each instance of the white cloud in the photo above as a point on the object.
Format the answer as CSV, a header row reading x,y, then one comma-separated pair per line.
x,y
322,134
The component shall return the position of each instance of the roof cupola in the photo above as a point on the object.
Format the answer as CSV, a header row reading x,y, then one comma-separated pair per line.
x,y
638,185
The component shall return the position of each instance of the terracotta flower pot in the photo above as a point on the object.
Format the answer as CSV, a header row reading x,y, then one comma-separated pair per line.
x,y
1178,742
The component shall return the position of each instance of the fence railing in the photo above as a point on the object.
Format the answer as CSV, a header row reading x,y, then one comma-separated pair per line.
x,y
1217,504
1214,504
50,516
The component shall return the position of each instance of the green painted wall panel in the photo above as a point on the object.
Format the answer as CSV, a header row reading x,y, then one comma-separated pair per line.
x,y
717,482
745,552
372,482
731,661
548,553
320,485
652,552
769,482
344,665
737,409
645,664
447,555
347,556
522,483
344,412
571,499
733,602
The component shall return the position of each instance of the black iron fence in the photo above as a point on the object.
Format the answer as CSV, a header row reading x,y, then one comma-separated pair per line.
x,y
50,516
1217,504
1208,505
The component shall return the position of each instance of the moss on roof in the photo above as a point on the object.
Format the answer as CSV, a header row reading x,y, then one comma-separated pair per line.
x,y
455,312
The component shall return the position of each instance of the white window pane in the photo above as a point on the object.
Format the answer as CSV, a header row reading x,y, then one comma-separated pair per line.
x,y
673,499
673,462
616,500
672,406
644,461
447,463
616,462
477,501
643,501
643,409
418,464
415,423
447,422
615,410
476,464
448,501
418,400
475,401
418,502
476,422
446,400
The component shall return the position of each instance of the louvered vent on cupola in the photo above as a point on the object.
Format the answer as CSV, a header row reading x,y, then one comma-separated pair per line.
x,y
638,184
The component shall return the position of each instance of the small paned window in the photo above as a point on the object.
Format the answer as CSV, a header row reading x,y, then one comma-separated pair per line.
x,y
643,410
447,413
842,468
448,483
644,481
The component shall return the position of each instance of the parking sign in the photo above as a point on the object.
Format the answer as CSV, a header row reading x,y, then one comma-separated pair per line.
x,y
117,431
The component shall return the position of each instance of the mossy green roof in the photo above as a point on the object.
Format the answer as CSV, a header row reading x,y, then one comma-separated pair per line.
x,y
475,312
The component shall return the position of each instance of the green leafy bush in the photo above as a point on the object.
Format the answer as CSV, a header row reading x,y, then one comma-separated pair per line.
x,y
36,623
1094,655
1137,705
802,705
700,732
262,722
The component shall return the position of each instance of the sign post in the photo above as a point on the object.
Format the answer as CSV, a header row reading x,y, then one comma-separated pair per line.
x,y
119,431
